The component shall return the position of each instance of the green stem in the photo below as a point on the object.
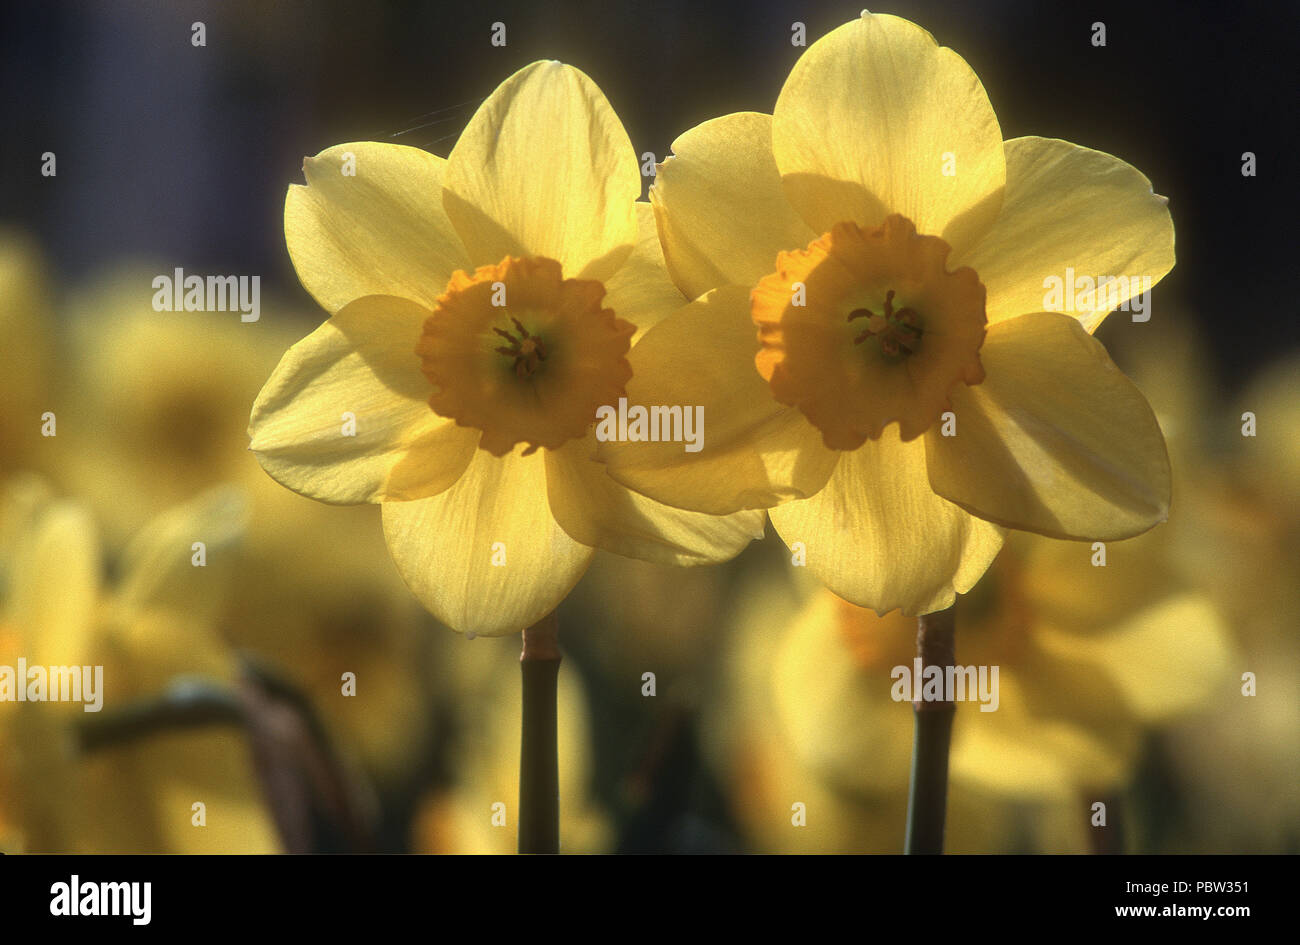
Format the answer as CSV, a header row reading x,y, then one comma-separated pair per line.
x,y
928,797
539,767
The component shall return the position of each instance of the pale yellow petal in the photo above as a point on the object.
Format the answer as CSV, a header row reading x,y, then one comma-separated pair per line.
x,y
345,416
157,567
753,451
544,168
486,556
1021,752
1055,440
641,292
378,231
597,511
878,536
1165,660
53,590
723,215
876,118
1070,207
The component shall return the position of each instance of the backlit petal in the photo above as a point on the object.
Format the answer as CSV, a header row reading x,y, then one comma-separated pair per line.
x,y
379,231
358,370
753,452
1056,440
878,536
486,556
641,292
723,215
544,168
876,118
1070,207
596,510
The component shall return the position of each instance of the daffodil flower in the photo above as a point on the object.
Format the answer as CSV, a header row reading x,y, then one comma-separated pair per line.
x,y
482,308
1090,660
869,336
156,623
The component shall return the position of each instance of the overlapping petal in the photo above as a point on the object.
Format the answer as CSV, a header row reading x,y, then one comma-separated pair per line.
x,y
1055,440
641,292
878,536
1070,206
723,215
755,452
597,511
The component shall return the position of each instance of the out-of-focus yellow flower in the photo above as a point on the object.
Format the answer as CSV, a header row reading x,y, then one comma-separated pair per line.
x,y
154,415
25,352
155,625
1239,525
318,599
923,295
481,310
465,817
151,406
1088,659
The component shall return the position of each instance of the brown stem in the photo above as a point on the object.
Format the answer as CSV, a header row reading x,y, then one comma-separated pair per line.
x,y
928,797
539,768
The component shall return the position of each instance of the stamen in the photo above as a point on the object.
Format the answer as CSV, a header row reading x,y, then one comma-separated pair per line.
x,y
527,350
898,331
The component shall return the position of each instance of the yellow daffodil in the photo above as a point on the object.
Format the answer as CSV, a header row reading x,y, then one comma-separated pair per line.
x,y
155,624
870,334
151,416
150,403
1089,659
482,308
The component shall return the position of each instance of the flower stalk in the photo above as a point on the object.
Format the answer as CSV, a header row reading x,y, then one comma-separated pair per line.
x,y
539,768
928,795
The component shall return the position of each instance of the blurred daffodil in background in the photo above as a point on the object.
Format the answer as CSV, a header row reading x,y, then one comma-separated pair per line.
x,y
481,312
1089,659
1231,773
152,414
895,390
153,626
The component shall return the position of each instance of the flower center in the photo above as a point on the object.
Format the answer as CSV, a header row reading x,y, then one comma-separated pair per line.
x,y
866,327
526,352
523,354
898,333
